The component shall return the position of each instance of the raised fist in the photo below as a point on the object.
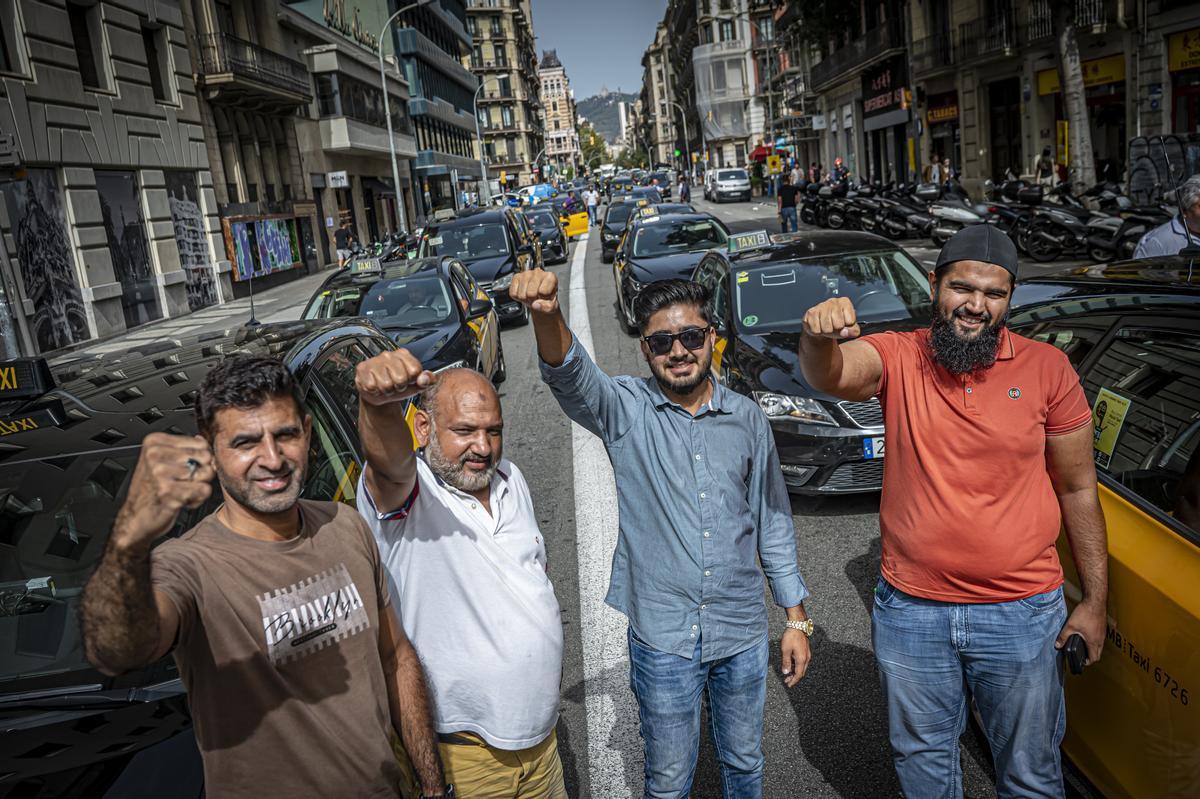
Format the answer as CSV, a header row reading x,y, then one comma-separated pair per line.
x,y
537,289
834,318
391,377
173,472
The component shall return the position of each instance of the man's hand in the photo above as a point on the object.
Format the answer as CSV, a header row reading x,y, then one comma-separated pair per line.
x,y
173,472
796,653
1089,620
834,318
537,289
391,377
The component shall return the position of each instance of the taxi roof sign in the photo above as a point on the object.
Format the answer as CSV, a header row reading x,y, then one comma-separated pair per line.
x,y
24,378
648,210
754,240
365,266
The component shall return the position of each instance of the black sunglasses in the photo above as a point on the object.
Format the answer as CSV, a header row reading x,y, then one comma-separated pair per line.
x,y
662,343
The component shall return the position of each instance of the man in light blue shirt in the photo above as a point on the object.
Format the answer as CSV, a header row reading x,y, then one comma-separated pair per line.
x,y
1170,237
702,502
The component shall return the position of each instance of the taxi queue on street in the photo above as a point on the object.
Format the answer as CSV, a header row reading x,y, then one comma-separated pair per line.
x,y
70,436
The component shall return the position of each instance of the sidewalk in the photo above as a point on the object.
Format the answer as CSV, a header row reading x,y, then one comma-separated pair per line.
x,y
277,304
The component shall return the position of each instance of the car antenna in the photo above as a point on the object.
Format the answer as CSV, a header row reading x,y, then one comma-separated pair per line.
x,y
1192,250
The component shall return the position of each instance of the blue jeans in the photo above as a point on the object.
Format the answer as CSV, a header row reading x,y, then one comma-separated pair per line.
x,y
788,217
591,214
668,689
931,654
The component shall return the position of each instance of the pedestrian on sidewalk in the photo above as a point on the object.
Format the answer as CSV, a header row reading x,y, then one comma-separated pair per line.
x,y
701,503
685,190
343,239
277,609
787,205
460,517
592,198
990,456
1043,168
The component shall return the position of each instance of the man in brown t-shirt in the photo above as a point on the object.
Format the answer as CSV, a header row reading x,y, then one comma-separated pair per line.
x,y
277,608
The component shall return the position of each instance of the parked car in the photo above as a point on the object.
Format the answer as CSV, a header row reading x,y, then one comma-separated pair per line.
x,y
430,306
1132,331
547,224
66,458
494,244
759,298
728,184
660,247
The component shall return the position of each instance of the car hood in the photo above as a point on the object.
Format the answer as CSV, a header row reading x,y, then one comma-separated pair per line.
x,y
486,270
424,343
772,363
548,235
665,267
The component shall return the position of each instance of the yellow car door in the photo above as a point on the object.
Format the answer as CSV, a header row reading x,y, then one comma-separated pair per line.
x,y
575,224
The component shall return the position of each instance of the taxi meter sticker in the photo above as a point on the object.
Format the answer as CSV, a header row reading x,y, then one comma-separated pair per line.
x,y
1108,417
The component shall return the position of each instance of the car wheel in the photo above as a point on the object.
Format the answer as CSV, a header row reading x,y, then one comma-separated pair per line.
x,y
501,373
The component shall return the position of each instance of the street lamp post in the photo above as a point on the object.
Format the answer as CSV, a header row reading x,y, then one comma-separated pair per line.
x,y
402,220
486,194
687,139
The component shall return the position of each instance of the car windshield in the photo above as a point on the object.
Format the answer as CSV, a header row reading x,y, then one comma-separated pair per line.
x,y
732,174
883,286
618,214
542,221
661,177
466,242
663,238
406,302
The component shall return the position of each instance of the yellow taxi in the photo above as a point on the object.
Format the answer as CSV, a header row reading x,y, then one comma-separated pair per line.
x,y
1132,331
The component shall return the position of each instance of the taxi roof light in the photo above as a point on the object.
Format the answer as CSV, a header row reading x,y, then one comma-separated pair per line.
x,y
24,378
754,240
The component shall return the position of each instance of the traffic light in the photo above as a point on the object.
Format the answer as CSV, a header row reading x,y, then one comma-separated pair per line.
x,y
678,152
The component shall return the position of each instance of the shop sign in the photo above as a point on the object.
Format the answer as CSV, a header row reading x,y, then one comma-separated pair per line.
x,y
818,122
883,87
338,180
1183,50
1097,72
351,25
942,108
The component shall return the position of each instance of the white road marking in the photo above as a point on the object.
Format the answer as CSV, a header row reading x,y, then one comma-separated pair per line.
x,y
614,748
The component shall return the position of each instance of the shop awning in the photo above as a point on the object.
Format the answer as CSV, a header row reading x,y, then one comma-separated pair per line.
x,y
761,152
381,187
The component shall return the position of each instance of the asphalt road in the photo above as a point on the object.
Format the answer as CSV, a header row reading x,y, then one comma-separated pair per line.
x,y
824,738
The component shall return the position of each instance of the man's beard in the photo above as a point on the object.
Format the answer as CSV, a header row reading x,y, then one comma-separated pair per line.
x,y
681,385
248,495
960,355
455,472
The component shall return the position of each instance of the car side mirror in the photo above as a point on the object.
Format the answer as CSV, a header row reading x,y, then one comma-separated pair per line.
x,y
525,249
479,308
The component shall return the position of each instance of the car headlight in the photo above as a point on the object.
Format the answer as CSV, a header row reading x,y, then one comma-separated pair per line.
x,y
503,282
611,237
804,409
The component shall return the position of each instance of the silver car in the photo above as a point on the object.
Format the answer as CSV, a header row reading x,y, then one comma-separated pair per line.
x,y
729,184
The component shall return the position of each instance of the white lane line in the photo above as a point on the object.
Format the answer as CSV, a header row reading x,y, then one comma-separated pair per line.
x,y
614,749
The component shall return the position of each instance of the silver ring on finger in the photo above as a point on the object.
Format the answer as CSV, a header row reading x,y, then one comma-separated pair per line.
x,y
193,466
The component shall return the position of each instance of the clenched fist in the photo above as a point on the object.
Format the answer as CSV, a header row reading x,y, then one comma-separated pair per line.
x,y
173,472
833,319
391,377
536,288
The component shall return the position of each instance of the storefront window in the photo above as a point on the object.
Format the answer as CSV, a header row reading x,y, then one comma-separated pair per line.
x,y
128,246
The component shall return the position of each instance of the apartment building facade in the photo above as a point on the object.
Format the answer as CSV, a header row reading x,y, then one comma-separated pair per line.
x,y
558,104
504,58
656,132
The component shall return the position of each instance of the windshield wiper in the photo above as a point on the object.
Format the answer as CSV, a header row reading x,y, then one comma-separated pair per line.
x,y
89,695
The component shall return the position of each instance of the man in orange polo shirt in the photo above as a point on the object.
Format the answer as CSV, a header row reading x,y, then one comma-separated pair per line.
x,y
989,455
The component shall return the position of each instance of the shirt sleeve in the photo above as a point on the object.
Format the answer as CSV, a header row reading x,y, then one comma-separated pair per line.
x,y
773,516
1067,407
587,395
887,345
172,574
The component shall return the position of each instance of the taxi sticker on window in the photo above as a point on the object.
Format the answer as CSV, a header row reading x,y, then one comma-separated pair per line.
x,y
750,321
1108,417
780,279
743,277
435,241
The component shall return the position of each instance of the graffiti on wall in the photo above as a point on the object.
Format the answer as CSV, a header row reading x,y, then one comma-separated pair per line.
x,y
1149,176
121,210
262,246
39,227
189,238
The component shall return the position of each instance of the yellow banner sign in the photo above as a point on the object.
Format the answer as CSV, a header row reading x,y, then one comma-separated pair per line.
x,y
774,164
1183,50
1108,417
1063,140
1097,72
945,113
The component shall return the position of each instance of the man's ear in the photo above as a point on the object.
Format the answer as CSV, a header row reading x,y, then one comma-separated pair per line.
x,y
422,428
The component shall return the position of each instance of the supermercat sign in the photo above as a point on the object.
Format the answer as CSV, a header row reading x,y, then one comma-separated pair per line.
x,y
347,19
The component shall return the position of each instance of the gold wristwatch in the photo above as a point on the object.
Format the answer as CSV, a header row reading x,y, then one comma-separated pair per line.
x,y
805,626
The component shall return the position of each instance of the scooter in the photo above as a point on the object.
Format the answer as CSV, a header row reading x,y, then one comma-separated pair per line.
x,y
1116,238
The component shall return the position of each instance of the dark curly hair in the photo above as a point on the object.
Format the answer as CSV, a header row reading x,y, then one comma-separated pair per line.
x,y
664,293
243,381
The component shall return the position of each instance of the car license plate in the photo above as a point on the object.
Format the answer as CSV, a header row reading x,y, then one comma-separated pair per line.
x,y
873,448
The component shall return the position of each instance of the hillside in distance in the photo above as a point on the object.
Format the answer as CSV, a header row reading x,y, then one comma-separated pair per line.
x,y
602,113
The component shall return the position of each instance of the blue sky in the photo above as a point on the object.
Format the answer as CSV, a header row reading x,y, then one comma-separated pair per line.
x,y
600,42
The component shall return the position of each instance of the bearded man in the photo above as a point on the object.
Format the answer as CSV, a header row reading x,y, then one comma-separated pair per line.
x,y
701,503
989,455
458,534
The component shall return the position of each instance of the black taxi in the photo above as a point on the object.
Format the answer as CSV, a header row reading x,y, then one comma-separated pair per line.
x,y
70,435
432,307
1132,331
761,287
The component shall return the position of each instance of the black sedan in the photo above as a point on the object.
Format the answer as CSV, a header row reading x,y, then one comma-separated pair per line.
x,y
65,465
613,226
760,297
430,306
661,247
547,225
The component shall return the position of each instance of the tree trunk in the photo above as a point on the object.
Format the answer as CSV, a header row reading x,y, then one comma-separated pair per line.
x,y
1081,167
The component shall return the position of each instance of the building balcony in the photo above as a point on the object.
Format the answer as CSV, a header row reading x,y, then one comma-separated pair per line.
x,y
872,46
492,65
1091,16
993,36
237,72
411,42
351,137
933,53
705,52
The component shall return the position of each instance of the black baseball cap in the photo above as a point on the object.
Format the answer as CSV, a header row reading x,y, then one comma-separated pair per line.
x,y
980,243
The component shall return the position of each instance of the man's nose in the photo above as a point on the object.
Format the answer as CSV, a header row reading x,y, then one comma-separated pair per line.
x,y
270,456
678,350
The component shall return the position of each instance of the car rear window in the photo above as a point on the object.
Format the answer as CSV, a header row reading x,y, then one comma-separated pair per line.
x,y
732,174
663,238
618,214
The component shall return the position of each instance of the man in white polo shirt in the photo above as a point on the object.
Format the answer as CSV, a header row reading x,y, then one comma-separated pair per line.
x,y
457,532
